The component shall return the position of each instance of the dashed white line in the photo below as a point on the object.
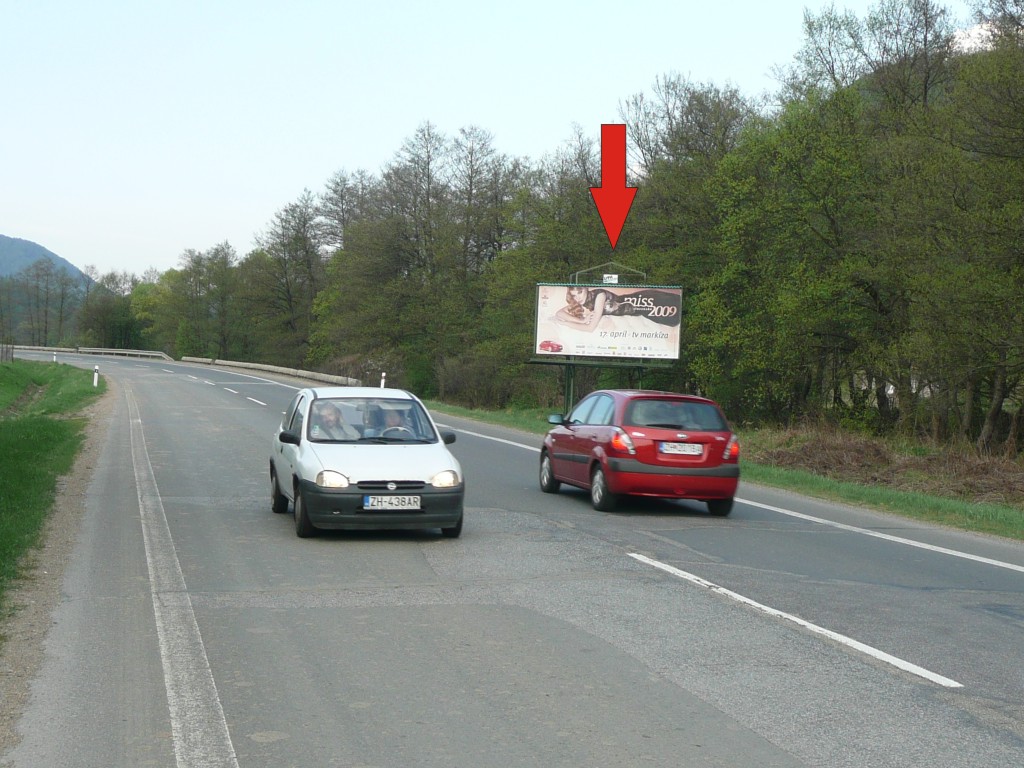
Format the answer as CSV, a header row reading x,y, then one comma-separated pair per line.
x,y
895,661
258,402
232,391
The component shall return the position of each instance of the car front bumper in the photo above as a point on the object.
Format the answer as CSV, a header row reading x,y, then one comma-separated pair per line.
x,y
342,508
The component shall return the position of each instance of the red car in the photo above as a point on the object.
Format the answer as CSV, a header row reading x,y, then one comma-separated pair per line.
x,y
643,443
550,346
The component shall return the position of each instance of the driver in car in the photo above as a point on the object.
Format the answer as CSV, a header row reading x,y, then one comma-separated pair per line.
x,y
393,418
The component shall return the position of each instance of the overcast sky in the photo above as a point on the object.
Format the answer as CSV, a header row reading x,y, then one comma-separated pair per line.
x,y
132,130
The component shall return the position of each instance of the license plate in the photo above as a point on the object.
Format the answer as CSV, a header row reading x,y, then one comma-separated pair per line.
x,y
685,449
391,502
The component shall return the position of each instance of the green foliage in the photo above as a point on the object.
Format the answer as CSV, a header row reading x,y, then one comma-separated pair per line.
x,y
43,389
37,450
38,443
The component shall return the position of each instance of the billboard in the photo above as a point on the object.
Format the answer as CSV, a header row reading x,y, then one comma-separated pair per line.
x,y
608,320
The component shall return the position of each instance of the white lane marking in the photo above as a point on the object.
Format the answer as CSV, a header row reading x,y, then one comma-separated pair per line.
x,y
199,729
488,437
258,402
822,521
209,382
232,391
194,378
888,537
167,370
906,666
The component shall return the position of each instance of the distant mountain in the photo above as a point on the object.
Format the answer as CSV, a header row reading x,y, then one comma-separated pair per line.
x,y
16,254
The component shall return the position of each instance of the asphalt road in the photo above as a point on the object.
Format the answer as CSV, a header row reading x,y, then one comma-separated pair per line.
x,y
196,629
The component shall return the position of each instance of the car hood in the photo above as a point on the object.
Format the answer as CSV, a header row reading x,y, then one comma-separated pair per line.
x,y
392,461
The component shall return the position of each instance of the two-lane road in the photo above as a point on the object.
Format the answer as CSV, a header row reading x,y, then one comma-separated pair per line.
x,y
196,629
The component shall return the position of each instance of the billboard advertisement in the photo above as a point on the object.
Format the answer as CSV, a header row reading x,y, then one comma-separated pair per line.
x,y
608,320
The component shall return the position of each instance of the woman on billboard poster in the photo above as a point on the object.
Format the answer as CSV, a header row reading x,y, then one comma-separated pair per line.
x,y
585,306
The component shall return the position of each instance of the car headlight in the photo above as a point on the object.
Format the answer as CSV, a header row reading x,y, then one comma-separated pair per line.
x,y
446,479
329,479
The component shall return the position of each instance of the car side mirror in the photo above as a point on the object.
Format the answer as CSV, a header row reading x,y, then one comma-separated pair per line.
x,y
556,418
448,437
286,436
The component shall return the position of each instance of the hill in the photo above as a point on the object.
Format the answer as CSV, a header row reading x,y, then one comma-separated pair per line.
x,y
17,254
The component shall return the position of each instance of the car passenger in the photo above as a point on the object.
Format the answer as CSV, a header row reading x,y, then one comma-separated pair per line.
x,y
329,424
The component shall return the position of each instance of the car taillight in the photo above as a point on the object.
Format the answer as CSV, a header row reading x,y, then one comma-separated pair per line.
x,y
622,442
732,449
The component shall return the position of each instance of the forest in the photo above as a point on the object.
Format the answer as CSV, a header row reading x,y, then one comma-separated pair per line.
x,y
850,248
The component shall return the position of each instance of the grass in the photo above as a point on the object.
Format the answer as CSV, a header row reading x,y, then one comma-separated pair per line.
x,y
41,432
980,517
912,479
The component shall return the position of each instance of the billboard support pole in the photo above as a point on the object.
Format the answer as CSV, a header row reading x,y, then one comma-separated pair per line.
x,y
570,387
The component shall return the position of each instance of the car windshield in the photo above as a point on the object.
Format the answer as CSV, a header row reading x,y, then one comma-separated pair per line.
x,y
369,419
675,414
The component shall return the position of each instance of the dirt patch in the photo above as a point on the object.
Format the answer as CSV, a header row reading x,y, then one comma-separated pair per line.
x,y
32,393
948,473
31,599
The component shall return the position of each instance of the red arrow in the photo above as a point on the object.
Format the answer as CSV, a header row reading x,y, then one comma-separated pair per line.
x,y
613,198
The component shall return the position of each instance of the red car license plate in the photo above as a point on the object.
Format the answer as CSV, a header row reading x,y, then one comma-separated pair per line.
x,y
684,449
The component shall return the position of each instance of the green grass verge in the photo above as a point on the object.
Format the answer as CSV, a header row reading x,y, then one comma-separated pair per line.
x,y
1005,521
981,518
40,435
36,450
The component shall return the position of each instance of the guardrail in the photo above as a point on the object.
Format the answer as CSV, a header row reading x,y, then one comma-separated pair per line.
x,y
99,351
343,381
298,373
123,352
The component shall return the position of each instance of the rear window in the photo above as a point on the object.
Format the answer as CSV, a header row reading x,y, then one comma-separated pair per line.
x,y
675,414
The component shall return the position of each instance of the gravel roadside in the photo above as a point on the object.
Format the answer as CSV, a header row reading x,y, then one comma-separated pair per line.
x,y
32,599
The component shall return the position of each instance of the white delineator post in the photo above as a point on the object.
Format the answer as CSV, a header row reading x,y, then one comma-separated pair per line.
x,y
383,378
95,375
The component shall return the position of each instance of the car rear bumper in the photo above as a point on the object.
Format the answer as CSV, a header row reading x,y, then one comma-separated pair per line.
x,y
342,509
628,476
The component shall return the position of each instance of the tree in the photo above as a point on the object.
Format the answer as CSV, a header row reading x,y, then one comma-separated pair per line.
x,y
279,281
107,319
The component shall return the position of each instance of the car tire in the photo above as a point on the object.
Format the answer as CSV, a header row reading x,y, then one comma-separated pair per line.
x,y
303,528
548,483
278,501
601,498
454,532
719,507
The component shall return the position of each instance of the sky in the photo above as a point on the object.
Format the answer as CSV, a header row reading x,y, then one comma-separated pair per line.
x,y
134,130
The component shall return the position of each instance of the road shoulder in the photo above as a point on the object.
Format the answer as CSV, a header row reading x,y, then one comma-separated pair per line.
x,y
33,597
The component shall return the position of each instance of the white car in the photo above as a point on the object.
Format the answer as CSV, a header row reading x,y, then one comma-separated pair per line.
x,y
359,458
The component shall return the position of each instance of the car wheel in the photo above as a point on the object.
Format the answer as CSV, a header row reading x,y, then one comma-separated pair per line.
x,y
278,501
548,483
719,507
303,528
601,498
454,532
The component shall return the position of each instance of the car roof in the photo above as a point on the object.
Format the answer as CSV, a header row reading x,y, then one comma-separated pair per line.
x,y
637,393
381,392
